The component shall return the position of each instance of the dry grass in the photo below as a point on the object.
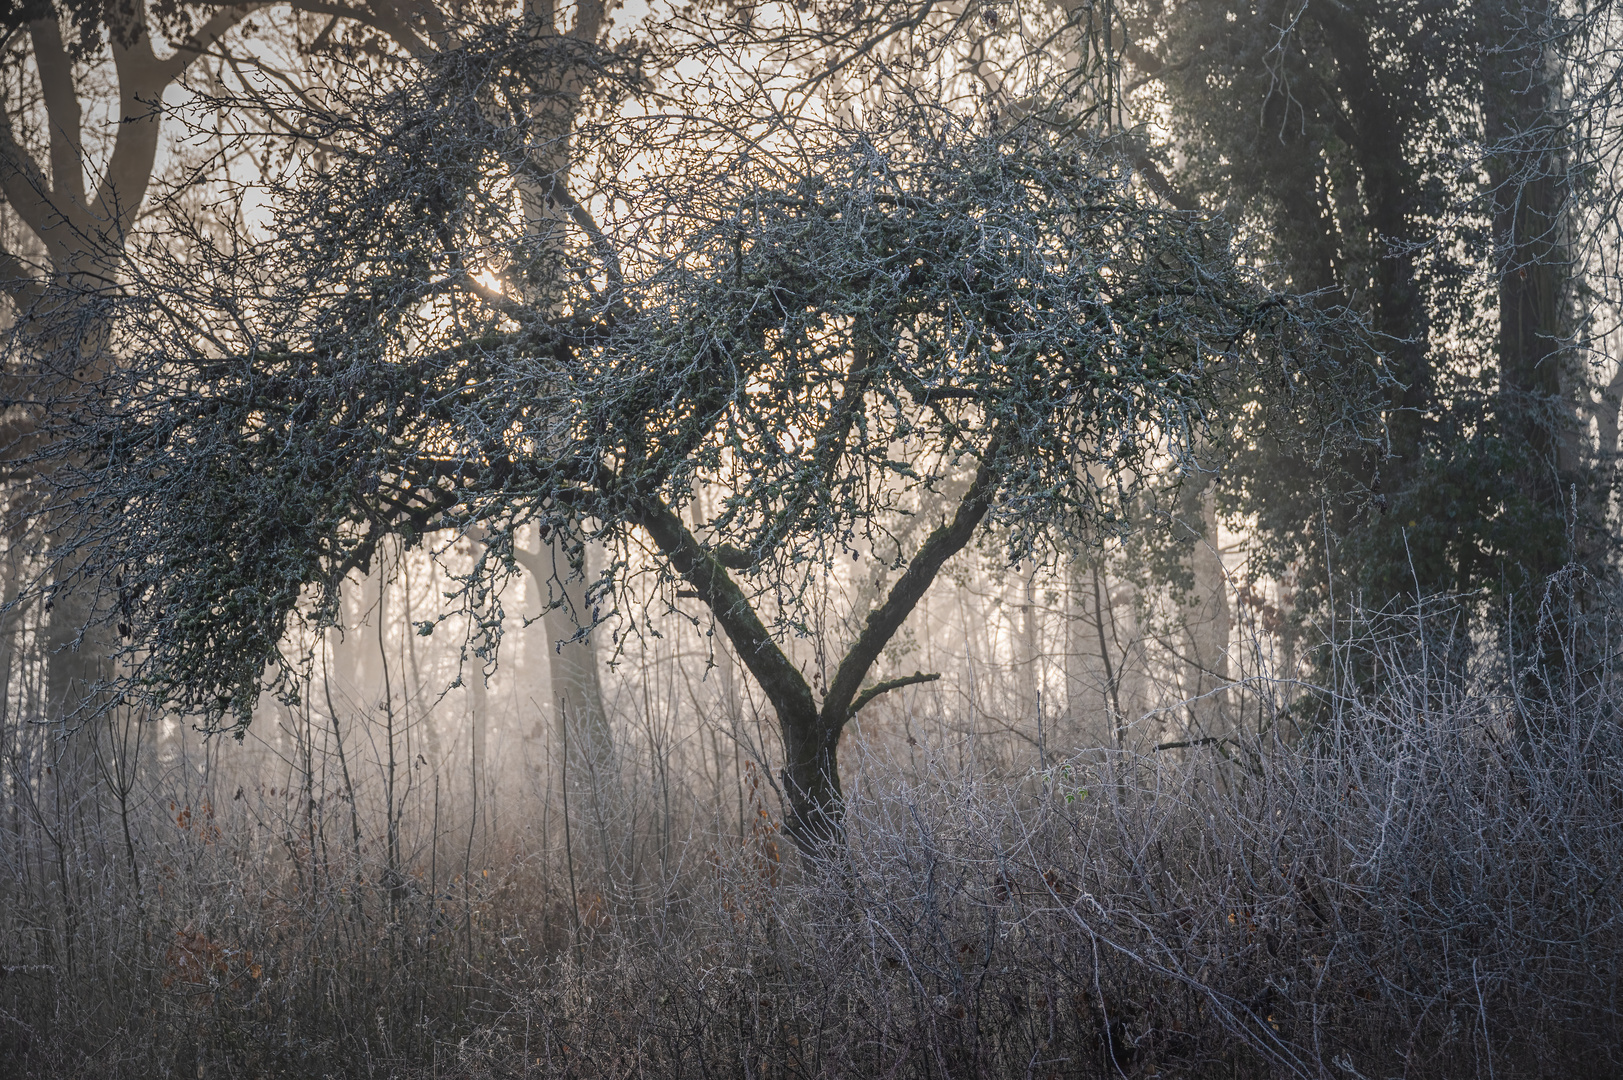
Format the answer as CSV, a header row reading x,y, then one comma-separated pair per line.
x,y
1402,898
1423,883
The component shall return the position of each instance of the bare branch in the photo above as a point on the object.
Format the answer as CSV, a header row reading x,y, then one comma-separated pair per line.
x,y
62,111
889,685
389,23
26,188
203,40
944,542
782,682
19,283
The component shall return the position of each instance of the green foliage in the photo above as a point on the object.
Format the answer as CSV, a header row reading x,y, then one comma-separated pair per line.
x,y
1414,162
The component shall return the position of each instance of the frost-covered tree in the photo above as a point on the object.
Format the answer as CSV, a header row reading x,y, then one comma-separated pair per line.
x,y
827,322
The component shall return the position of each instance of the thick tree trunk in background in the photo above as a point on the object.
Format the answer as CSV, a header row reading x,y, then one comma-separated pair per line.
x,y
1209,622
76,656
1400,314
576,690
82,229
572,661
1528,164
1527,173
811,780
574,696
1092,675
77,659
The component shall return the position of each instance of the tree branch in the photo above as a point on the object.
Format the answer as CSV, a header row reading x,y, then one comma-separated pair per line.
x,y
732,558
63,114
529,560
545,14
889,684
23,182
23,287
782,682
837,65
590,17
1150,67
942,544
1157,182
1130,50
831,443
204,39
559,192
395,27
141,81
135,151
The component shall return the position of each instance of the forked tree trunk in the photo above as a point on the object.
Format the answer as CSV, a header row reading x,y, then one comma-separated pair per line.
x,y
82,231
811,782
811,734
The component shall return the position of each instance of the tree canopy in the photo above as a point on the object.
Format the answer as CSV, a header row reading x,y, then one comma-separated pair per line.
x,y
834,325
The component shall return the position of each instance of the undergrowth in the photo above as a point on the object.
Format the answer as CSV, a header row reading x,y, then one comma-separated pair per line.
x,y
1421,881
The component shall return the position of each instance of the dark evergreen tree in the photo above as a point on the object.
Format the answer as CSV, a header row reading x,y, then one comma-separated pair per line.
x,y
1415,162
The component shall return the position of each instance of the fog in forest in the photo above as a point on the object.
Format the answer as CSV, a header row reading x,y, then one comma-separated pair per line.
x,y
899,538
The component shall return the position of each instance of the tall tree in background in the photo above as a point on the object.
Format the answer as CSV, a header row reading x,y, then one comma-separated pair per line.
x,y
76,195
1544,380
1411,161
562,569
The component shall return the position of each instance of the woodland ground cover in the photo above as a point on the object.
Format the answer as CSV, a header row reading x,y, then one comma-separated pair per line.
x,y
1405,884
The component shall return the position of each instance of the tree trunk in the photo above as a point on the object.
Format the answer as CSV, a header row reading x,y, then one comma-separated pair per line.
x,y
576,688
1081,677
571,661
83,233
811,782
76,662
1208,623
1027,653
1526,137
577,694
